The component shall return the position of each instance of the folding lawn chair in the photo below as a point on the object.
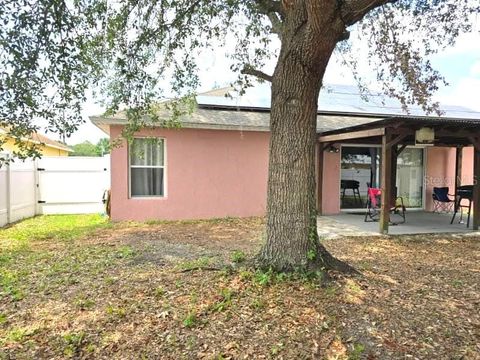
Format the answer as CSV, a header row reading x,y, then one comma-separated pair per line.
x,y
374,207
441,200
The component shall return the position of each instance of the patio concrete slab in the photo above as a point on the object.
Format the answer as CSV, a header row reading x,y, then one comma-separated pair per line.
x,y
418,222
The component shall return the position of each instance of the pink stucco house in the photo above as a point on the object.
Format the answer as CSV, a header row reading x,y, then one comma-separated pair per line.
x,y
215,165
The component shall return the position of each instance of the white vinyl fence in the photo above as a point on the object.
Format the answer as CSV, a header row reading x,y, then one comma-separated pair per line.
x,y
53,185
17,191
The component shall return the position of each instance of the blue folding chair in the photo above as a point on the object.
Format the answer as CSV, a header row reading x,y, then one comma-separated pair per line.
x,y
441,200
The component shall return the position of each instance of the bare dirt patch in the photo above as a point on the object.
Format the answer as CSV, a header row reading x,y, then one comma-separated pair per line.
x,y
177,241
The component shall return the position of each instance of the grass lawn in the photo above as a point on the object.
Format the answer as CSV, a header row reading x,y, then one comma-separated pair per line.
x,y
81,287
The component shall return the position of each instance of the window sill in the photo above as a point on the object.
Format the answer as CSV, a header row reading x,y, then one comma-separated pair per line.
x,y
148,198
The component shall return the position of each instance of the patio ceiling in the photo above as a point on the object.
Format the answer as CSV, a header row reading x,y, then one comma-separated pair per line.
x,y
448,131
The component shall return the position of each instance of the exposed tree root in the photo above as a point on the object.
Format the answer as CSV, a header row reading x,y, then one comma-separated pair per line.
x,y
332,263
321,263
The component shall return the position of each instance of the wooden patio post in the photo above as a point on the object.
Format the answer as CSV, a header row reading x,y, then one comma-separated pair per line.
x,y
476,187
320,160
386,171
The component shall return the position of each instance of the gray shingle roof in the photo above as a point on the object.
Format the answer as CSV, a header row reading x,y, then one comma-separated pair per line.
x,y
339,107
259,120
247,120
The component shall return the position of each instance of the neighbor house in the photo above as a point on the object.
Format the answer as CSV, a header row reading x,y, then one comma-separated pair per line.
x,y
46,146
215,165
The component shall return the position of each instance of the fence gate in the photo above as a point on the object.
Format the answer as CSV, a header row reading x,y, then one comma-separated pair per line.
x,y
72,185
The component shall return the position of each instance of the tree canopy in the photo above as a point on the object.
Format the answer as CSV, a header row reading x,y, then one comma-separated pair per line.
x,y
134,52
86,148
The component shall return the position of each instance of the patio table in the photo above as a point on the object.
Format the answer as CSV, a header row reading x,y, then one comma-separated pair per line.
x,y
353,185
464,192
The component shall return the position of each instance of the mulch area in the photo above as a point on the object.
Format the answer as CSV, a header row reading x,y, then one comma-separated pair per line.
x,y
419,298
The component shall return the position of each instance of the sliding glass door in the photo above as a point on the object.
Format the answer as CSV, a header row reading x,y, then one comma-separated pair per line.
x,y
360,169
410,177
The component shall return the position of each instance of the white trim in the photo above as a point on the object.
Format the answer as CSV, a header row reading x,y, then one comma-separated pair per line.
x,y
164,167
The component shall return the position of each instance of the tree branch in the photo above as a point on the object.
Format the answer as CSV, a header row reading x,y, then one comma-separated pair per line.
x,y
274,11
354,10
277,24
271,6
248,70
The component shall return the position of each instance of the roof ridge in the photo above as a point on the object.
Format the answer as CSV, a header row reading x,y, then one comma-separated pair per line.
x,y
221,91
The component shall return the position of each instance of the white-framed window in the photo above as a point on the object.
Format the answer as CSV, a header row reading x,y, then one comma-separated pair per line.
x,y
147,167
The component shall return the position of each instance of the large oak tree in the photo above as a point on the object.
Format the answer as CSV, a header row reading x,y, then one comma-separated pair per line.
x,y
54,51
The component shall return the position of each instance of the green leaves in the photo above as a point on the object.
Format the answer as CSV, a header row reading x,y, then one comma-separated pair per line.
x,y
136,54
133,53
43,70
86,148
401,39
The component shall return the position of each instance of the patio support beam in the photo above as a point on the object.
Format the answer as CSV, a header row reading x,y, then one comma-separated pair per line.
x,y
397,139
320,160
386,175
476,183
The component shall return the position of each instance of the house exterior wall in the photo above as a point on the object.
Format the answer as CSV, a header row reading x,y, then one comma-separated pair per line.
x,y
218,173
49,151
440,170
467,166
209,173
331,183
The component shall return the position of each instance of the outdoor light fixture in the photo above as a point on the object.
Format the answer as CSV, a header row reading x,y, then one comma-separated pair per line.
x,y
425,136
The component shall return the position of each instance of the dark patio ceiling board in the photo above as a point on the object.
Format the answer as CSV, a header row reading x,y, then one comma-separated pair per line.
x,y
448,131
451,142
412,122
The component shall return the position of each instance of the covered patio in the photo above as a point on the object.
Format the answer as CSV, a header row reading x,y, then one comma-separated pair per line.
x,y
418,222
393,135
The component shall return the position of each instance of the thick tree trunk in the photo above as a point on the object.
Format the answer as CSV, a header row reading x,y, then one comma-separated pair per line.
x,y
292,240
